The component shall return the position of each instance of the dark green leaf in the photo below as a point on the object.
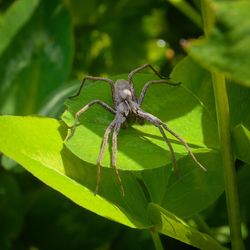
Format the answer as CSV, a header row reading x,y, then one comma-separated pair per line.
x,y
54,222
227,47
193,191
243,177
54,102
11,210
241,143
37,59
14,19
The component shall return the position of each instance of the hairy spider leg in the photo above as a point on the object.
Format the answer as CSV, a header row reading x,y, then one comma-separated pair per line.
x,y
93,78
86,107
114,152
145,87
185,145
104,144
155,121
133,72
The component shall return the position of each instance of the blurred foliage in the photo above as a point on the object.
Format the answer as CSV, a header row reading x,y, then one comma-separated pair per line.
x,y
45,49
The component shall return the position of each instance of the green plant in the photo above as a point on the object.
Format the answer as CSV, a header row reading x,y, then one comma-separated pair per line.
x,y
155,200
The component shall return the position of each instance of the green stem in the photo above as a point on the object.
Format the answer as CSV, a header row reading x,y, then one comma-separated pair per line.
x,y
188,11
202,225
223,119
156,240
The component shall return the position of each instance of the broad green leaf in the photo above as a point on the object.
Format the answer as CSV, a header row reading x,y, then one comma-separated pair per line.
x,y
37,59
170,225
36,144
198,81
14,19
193,191
141,147
227,47
241,143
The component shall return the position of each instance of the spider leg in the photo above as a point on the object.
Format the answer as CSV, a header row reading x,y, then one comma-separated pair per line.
x,y
104,144
174,161
93,78
145,87
86,107
133,72
185,145
114,152
154,120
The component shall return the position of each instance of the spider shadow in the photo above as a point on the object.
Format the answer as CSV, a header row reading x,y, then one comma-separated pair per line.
x,y
137,149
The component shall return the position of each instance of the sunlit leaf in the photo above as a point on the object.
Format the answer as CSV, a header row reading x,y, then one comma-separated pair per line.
x,y
36,143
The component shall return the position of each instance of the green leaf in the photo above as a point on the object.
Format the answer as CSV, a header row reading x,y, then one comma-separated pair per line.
x,y
193,191
241,143
198,81
14,19
170,225
239,97
227,47
37,59
141,147
54,102
36,144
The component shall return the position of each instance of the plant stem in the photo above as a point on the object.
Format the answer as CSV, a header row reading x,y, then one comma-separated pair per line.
x,y
202,225
223,119
188,11
156,239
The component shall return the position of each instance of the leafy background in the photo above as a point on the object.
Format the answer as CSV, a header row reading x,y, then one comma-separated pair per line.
x,y
46,48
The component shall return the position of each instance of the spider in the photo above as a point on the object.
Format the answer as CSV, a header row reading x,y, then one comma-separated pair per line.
x,y
127,108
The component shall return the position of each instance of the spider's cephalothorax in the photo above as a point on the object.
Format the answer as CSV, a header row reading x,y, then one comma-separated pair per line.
x,y
127,109
125,102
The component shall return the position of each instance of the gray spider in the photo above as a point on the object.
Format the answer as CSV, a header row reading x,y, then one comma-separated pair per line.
x,y
127,108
